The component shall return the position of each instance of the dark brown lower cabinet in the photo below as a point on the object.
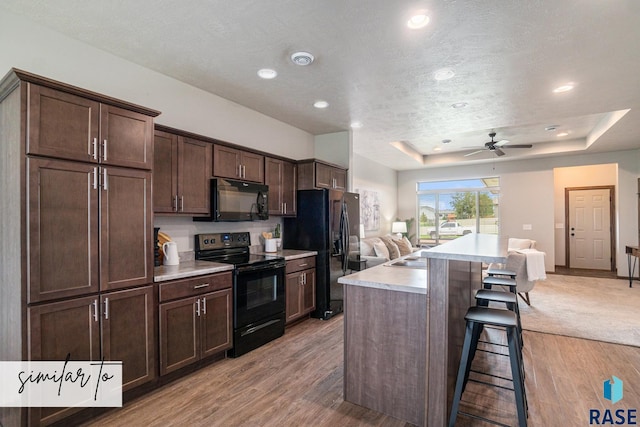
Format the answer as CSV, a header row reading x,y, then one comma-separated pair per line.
x,y
194,328
112,326
300,288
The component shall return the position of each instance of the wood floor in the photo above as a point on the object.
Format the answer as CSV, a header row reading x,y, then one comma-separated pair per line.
x,y
297,381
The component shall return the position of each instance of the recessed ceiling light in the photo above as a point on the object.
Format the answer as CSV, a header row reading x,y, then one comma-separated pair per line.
x,y
267,73
551,128
446,141
459,105
564,88
321,104
356,125
444,74
561,134
419,20
437,149
302,58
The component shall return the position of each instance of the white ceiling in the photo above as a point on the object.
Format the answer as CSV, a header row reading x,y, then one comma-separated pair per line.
x,y
507,57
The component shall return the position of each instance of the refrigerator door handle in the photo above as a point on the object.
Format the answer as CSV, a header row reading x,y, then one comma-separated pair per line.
x,y
344,219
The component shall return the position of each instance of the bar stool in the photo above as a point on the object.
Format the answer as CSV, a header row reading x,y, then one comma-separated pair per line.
x,y
510,300
501,272
490,281
475,318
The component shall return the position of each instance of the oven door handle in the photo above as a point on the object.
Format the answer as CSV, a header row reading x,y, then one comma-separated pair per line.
x,y
257,328
261,267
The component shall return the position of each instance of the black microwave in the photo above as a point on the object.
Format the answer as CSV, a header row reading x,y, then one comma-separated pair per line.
x,y
233,200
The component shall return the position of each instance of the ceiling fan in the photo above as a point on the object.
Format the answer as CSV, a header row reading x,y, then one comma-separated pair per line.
x,y
496,146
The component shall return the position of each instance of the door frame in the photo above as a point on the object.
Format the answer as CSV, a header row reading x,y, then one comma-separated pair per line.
x,y
612,220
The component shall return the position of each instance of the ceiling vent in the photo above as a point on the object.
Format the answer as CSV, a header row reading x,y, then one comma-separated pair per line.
x,y
302,58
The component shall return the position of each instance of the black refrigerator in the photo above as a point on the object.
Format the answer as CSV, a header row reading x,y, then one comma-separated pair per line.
x,y
327,221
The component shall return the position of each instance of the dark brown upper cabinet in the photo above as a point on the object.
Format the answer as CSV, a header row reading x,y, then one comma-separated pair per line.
x,y
317,174
69,126
281,177
232,163
181,174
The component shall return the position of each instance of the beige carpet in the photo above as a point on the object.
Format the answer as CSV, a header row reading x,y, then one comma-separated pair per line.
x,y
585,307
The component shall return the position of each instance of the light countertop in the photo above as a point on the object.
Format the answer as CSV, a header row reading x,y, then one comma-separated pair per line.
x,y
188,269
290,254
476,247
385,276
198,268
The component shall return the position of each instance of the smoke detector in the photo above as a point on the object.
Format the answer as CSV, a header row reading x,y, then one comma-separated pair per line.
x,y
302,58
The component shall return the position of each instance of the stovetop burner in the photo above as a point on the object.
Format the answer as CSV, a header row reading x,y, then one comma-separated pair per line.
x,y
230,248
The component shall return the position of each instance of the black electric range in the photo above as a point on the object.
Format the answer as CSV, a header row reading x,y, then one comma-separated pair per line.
x,y
258,288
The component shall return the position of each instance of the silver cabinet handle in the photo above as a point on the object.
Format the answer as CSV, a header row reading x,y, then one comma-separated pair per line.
x,y
240,171
95,148
95,310
181,203
244,171
105,182
106,308
198,307
303,265
204,305
203,285
104,152
95,178
175,203
285,207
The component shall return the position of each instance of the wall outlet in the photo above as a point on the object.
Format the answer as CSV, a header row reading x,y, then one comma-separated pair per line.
x,y
526,226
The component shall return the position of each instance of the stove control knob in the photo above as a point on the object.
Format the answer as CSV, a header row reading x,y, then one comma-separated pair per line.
x,y
206,241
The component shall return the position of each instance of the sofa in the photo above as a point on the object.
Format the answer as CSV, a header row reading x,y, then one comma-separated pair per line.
x,y
378,250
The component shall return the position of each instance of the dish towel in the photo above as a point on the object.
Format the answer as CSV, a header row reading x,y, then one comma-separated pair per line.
x,y
535,264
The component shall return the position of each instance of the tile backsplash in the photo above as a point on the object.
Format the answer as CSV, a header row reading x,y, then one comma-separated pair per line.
x,y
182,229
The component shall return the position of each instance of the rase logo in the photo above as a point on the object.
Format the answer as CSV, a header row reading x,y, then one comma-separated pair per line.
x,y
612,390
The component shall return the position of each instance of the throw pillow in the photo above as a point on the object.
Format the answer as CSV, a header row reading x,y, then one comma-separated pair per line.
x,y
408,242
403,247
393,248
366,248
381,249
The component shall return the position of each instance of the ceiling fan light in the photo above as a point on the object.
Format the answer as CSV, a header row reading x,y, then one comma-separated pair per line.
x,y
564,88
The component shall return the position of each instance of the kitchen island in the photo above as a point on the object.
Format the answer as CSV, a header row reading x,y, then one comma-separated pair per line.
x,y
404,328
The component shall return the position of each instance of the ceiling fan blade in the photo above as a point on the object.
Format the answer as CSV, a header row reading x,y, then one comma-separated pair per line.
x,y
519,146
500,143
475,152
498,152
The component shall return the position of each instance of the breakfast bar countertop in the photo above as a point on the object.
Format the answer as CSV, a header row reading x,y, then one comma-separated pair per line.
x,y
385,276
472,247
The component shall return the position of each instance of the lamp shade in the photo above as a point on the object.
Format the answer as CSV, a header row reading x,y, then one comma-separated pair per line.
x,y
399,227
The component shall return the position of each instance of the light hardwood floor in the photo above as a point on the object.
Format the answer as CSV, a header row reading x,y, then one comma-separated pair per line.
x,y
297,381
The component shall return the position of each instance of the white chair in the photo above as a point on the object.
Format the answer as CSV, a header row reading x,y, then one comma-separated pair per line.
x,y
517,262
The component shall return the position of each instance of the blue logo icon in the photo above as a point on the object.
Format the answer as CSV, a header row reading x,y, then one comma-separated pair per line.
x,y
613,389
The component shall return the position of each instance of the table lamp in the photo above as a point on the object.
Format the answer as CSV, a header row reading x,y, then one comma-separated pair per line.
x,y
399,227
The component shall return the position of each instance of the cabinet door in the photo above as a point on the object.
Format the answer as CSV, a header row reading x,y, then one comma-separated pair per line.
x,y
308,299
273,177
126,138
253,167
194,174
59,329
324,176
62,125
226,162
178,334
165,172
126,243
289,188
339,179
128,334
216,329
293,288
63,229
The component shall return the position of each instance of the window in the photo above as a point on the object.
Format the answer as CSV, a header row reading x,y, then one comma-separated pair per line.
x,y
450,209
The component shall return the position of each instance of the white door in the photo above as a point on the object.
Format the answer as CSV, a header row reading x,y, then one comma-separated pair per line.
x,y
590,229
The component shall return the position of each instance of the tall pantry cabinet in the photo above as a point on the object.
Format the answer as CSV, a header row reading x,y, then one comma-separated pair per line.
x,y
76,254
